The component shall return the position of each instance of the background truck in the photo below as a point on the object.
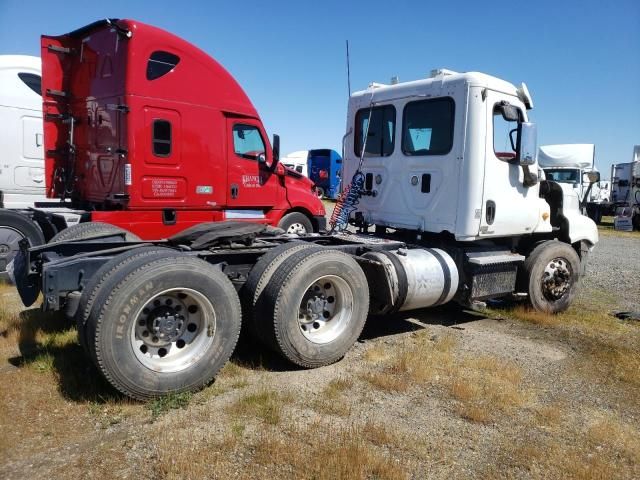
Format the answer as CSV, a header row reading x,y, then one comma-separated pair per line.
x,y
625,192
147,133
574,164
443,192
325,170
322,166
297,161
22,179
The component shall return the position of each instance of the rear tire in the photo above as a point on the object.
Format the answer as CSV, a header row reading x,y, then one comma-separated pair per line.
x,y
168,325
318,302
85,231
551,275
258,279
101,283
15,226
296,222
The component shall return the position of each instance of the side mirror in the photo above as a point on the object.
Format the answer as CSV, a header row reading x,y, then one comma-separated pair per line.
x,y
591,177
509,112
527,148
276,148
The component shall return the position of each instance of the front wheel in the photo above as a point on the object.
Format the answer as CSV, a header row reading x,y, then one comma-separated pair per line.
x,y
168,325
551,273
296,222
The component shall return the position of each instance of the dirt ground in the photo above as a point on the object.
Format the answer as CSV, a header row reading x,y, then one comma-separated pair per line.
x,y
440,393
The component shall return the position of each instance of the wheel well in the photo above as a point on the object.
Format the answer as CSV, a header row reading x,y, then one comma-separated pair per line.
x,y
307,214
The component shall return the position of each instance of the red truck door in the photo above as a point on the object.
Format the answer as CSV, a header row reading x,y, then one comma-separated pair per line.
x,y
251,182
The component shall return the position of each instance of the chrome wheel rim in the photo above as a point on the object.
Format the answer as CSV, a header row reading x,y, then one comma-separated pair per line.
x,y
297,228
556,279
173,330
326,309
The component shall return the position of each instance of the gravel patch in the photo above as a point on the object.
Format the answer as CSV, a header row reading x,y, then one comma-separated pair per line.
x,y
614,268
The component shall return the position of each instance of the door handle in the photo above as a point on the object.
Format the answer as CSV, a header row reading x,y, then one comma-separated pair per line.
x,y
38,139
234,191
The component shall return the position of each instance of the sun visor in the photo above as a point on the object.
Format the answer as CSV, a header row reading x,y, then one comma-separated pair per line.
x,y
576,155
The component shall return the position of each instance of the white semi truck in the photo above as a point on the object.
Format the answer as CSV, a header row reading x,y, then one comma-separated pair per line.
x,y
442,189
22,183
573,165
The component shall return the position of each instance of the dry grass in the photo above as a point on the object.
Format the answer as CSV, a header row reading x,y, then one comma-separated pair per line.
x,y
331,400
327,452
487,388
483,387
594,444
290,451
610,348
266,405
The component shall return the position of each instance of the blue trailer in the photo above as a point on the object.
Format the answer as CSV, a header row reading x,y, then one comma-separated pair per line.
x,y
325,170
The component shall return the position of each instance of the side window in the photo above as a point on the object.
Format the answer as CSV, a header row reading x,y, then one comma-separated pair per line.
x,y
31,80
161,140
427,127
380,130
247,141
501,135
160,63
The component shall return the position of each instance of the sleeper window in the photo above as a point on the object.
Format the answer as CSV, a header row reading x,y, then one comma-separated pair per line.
x,y
380,131
161,138
33,81
428,127
247,141
160,63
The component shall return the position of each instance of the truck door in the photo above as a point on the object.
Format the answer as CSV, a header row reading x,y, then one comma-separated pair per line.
x,y
251,182
508,208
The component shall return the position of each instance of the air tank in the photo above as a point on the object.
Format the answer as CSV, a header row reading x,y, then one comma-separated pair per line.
x,y
408,279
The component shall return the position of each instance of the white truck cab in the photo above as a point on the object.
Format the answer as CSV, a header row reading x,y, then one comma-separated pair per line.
x,y
21,152
440,157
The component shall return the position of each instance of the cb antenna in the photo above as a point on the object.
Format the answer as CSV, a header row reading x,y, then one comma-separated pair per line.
x,y
348,71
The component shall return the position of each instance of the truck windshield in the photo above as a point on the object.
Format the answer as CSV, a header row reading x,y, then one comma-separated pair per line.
x,y
562,175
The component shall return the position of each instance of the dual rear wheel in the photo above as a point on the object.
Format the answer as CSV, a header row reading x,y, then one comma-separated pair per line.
x,y
157,321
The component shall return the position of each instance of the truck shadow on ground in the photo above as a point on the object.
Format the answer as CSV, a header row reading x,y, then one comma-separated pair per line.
x,y
44,345
77,377
253,354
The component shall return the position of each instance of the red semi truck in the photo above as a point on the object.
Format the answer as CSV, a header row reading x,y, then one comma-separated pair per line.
x,y
146,132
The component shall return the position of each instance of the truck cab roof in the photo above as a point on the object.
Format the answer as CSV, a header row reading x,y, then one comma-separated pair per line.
x,y
439,80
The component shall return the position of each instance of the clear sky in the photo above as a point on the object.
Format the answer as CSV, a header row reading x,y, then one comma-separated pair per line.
x,y
580,59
